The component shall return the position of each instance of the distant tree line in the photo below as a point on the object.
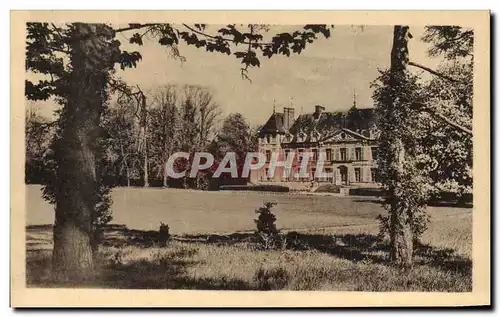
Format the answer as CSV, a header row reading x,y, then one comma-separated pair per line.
x,y
178,119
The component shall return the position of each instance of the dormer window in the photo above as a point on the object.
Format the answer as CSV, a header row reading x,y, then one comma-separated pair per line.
x,y
302,136
315,135
268,138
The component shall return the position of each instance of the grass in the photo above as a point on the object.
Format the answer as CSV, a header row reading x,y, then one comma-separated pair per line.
x,y
196,212
331,245
312,261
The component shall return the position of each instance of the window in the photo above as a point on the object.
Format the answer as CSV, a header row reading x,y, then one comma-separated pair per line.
x,y
329,176
313,174
268,155
357,174
374,175
266,177
329,154
287,151
268,138
300,154
287,174
343,154
374,152
359,154
315,154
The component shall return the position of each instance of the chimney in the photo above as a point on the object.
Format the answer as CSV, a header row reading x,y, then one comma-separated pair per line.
x,y
288,117
319,109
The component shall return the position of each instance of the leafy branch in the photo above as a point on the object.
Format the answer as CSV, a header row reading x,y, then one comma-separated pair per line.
x,y
433,72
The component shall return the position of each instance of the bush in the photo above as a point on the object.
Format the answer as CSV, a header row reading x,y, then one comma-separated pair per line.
x,y
377,192
163,235
419,225
262,188
266,228
328,188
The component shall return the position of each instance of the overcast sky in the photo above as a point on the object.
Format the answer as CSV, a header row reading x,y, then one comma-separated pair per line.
x,y
326,73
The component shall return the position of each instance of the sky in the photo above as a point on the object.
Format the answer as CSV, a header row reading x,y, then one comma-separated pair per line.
x,y
328,72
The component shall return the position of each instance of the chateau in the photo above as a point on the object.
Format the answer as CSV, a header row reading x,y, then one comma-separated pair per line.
x,y
348,141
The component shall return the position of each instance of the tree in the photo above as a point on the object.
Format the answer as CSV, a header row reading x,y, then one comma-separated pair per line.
x,y
410,148
121,143
451,148
399,151
164,129
78,62
235,136
38,132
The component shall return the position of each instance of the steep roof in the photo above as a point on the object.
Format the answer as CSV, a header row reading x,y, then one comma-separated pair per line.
x,y
355,119
273,125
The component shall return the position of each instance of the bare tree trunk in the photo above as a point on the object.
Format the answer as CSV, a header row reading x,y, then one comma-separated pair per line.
x,y
165,175
143,124
127,170
77,187
146,167
401,235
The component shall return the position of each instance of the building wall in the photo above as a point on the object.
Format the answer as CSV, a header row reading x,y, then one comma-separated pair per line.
x,y
365,163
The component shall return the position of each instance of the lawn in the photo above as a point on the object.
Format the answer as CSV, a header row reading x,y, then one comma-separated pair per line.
x,y
189,211
332,244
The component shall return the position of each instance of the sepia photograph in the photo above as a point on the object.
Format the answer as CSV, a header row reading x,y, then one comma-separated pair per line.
x,y
251,154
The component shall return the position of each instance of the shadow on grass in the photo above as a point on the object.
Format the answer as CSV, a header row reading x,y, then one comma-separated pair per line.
x,y
174,270
445,259
167,272
435,203
352,247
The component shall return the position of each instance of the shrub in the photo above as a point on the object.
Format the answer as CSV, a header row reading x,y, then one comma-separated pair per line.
x,y
419,225
328,188
260,188
163,235
266,227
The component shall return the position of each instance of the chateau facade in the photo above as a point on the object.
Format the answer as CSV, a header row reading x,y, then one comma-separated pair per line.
x,y
347,141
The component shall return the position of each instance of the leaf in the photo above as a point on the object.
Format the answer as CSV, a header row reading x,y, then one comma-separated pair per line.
x,y
136,39
129,60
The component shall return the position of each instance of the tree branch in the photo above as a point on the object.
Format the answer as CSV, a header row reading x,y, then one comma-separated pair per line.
x,y
135,27
444,119
220,37
433,72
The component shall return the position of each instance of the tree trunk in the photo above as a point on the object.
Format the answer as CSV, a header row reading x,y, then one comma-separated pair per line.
x,y
143,124
401,252
165,175
146,172
77,187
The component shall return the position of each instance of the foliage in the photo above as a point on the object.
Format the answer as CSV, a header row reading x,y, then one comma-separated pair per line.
x,y
38,133
235,136
266,227
163,234
452,41
397,115
102,213
182,119
449,148
120,145
420,224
